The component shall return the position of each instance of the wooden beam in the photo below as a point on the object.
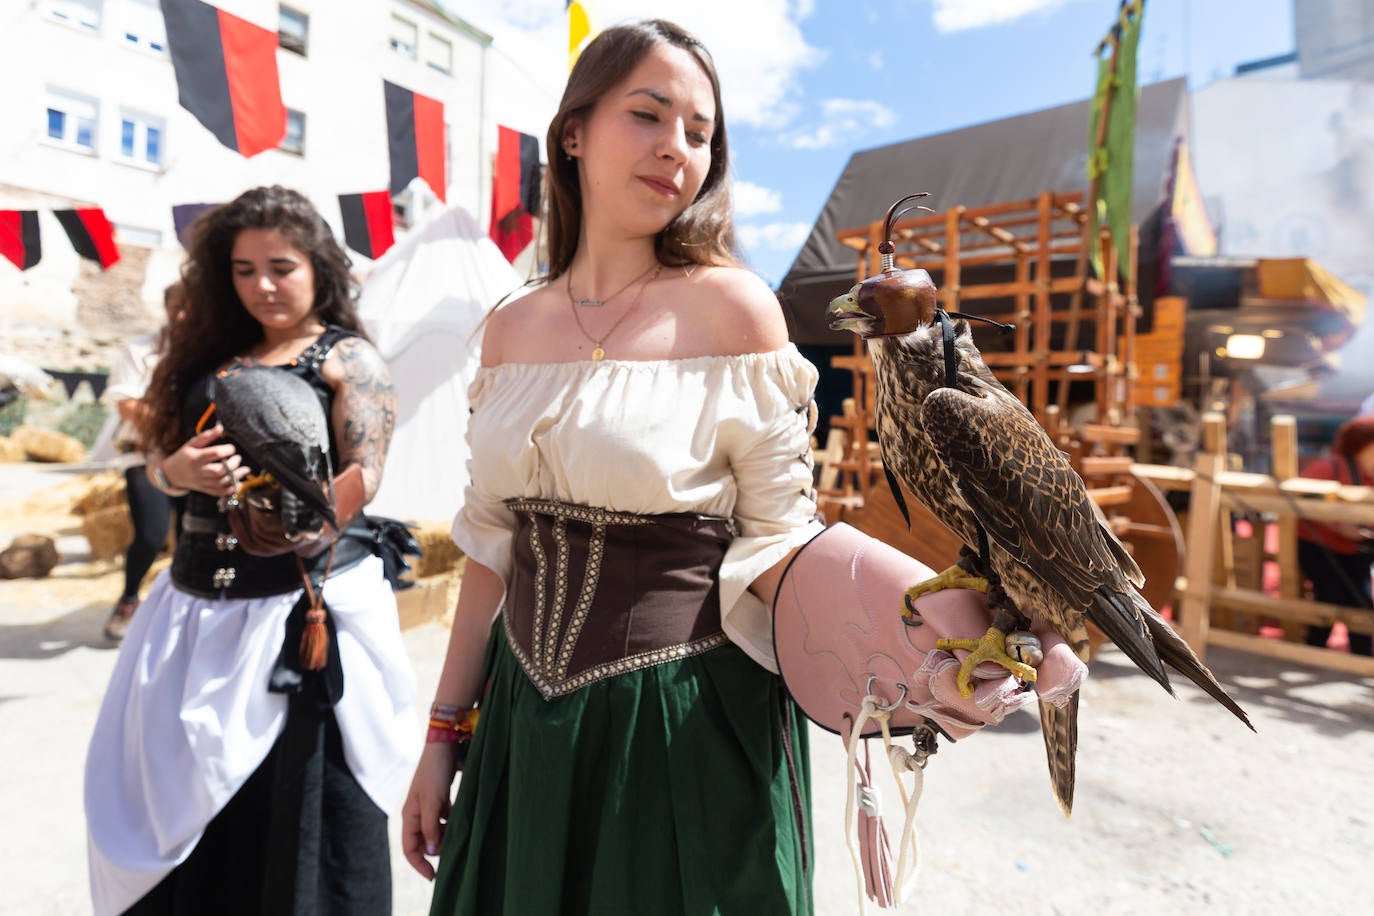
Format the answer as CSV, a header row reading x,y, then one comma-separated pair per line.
x,y
1100,432
1204,509
1110,496
1284,436
1299,609
1098,465
1294,652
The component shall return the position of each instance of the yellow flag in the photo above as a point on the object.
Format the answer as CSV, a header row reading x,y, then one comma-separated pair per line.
x,y
580,30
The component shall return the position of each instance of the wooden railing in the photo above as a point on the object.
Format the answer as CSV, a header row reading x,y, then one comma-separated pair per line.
x,y
1222,599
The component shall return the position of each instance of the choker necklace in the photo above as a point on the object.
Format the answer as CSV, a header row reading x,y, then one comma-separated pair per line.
x,y
598,351
593,303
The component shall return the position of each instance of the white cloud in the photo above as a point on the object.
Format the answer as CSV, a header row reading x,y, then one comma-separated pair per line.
x,y
777,236
751,199
760,79
961,15
876,60
843,121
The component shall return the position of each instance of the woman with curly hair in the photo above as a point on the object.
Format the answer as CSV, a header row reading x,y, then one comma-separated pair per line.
x,y
236,766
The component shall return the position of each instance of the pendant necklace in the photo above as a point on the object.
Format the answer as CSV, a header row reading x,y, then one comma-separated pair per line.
x,y
598,351
593,303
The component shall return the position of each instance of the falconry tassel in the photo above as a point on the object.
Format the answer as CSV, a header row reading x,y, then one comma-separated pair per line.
x,y
978,460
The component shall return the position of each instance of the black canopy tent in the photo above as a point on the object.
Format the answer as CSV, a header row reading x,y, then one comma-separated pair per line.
x,y
1012,159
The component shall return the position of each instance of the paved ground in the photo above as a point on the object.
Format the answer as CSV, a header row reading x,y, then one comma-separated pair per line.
x,y
1179,808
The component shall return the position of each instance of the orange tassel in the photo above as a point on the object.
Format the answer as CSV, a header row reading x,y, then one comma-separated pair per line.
x,y
314,641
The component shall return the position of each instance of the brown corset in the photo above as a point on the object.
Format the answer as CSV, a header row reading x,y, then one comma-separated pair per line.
x,y
596,593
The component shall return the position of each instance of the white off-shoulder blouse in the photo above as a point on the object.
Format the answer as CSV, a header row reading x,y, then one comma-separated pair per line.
x,y
719,435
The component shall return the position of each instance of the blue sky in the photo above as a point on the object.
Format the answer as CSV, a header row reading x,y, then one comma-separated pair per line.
x,y
806,83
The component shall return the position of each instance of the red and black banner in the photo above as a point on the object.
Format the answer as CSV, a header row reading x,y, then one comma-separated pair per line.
x,y
19,241
367,222
415,139
226,71
515,191
91,234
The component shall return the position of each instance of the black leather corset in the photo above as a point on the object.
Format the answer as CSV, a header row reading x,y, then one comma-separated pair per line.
x,y
207,560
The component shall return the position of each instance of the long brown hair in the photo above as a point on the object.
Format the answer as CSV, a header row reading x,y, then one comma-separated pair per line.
x,y
704,233
216,326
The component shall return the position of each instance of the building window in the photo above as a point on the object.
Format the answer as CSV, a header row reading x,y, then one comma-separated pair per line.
x,y
81,14
294,141
72,120
293,30
143,26
142,138
440,54
403,37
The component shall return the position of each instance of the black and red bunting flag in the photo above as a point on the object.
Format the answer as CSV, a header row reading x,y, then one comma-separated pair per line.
x,y
515,191
415,139
226,72
91,234
19,240
367,222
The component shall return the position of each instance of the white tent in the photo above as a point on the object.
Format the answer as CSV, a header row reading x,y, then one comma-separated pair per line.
x,y
422,304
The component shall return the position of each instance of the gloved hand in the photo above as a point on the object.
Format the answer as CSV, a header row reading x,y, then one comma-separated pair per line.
x,y
839,636
257,524
963,614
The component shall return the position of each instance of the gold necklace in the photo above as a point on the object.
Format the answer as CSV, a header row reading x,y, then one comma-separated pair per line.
x,y
598,351
590,303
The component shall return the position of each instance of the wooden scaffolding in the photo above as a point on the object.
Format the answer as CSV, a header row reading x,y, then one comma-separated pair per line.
x,y
1026,263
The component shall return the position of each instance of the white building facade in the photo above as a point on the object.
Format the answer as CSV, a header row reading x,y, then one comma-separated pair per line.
x,y
91,118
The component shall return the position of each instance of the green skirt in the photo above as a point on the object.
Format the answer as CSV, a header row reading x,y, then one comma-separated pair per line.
x,y
678,789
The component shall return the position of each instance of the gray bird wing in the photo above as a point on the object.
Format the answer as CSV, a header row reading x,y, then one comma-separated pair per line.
x,y
276,420
1023,491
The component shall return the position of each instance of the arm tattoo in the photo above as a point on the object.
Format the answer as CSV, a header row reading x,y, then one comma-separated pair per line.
x,y
364,412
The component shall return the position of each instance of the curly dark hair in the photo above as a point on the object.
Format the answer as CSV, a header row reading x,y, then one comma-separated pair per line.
x,y
216,327
704,233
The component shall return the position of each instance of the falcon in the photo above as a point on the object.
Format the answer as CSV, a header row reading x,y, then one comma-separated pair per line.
x,y
278,424
1035,542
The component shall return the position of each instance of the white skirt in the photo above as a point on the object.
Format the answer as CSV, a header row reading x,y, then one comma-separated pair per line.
x,y
187,718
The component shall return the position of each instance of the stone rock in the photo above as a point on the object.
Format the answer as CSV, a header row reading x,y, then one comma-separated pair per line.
x,y
438,553
48,445
10,451
29,556
109,531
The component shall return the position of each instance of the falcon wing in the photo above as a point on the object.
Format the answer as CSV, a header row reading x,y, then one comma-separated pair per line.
x,y
277,421
1022,490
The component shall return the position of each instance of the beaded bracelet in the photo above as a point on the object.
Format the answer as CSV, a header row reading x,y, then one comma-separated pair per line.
x,y
446,726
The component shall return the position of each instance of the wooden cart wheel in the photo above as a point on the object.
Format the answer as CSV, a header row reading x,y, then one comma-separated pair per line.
x,y
1150,530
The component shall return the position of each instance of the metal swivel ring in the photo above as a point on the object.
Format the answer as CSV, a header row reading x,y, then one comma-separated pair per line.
x,y
898,702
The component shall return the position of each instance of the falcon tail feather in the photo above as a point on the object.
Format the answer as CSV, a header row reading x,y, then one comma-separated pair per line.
x,y
1177,654
1124,624
1060,729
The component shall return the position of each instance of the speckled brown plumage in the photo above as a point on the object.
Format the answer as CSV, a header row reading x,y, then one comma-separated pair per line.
x,y
975,455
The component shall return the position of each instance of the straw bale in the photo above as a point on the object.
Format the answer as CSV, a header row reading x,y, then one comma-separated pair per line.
x,y
438,553
48,445
109,531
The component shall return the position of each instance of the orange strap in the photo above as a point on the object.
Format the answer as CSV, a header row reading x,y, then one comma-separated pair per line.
x,y
200,424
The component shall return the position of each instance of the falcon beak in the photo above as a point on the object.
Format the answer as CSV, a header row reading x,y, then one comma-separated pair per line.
x,y
844,313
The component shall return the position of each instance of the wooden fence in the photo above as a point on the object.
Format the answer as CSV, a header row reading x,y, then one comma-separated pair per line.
x,y
1221,596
